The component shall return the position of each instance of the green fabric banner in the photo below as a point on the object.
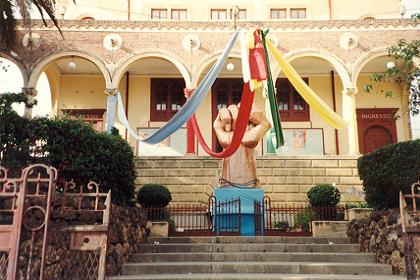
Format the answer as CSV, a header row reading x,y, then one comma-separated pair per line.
x,y
272,98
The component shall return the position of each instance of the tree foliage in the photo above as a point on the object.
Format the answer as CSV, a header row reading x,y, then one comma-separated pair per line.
x,y
77,151
16,137
403,72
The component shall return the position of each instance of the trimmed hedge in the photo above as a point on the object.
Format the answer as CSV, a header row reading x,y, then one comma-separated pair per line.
x,y
323,195
387,171
153,196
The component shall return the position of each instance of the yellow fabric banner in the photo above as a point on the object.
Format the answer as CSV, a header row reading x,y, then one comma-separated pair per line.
x,y
314,101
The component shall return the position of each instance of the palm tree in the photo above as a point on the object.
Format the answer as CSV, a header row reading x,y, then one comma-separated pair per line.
x,y
8,20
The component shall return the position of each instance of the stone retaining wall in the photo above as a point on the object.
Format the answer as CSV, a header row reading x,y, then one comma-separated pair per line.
x,y
380,234
191,179
127,231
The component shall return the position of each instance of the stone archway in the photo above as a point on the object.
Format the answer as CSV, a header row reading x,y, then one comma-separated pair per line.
x,y
76,82
13,78
209,60
43,62
363,60
122,66
337,64
20,66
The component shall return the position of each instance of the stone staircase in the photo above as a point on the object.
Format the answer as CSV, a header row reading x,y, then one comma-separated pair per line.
x,y
237,258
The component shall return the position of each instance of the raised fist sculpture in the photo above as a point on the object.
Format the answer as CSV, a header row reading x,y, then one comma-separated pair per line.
x,y
240,168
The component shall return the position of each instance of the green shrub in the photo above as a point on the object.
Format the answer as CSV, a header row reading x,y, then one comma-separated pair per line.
x,y
73,147
81,154
304,219
281,225
323,195
153,195
387,171
352,205
15,134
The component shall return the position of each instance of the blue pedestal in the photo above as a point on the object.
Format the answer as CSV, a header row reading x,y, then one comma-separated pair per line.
x,y
247,197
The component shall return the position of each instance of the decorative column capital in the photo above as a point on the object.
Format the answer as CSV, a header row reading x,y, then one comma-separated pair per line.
x,y
29,91
111,91
350,91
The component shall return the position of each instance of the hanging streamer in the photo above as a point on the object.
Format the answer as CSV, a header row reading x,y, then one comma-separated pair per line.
x,y
274,109
241,124
316,103
189,107
246,75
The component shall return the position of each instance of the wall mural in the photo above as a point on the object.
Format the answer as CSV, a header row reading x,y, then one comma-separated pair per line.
x,y
300,141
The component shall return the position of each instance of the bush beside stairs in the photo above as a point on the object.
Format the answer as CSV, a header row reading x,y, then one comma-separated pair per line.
x,y
237,258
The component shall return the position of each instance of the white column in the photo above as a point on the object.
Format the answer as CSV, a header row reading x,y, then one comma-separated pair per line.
x,y
111,94
30,92
349,115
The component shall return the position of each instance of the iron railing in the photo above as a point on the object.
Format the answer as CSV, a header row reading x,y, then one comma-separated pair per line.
x,y
293,219
217,217
51,233
410,225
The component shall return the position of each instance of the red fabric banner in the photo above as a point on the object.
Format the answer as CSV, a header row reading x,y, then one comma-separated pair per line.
x,y
241,124
257,58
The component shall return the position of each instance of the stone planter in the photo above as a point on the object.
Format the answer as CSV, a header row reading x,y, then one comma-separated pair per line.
x,y
359,213
159,229
329,228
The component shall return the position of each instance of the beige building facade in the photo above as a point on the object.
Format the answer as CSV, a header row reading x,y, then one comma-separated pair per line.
x,y
150,51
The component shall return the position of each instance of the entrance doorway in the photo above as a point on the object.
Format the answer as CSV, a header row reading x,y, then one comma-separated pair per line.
x,y
376,128
225,92
376,137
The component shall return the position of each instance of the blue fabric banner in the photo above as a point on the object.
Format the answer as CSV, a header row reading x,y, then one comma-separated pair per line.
x,y
189,107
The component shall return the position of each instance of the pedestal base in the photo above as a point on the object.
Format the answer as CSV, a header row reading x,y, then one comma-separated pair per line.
x,y
247,197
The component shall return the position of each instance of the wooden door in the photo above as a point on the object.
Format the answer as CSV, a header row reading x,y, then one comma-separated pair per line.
x,y
376,137
225,92
376,128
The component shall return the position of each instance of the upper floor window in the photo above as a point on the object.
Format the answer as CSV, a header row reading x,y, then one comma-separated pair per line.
x,y
179,14
218,14
241,14
298,13
292,107
159,14
278,14
167,97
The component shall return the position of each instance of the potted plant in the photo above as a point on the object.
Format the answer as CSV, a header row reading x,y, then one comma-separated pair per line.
x,y
154,198
324,198
304,220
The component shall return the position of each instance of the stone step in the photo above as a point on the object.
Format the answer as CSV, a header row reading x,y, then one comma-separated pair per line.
x,y
256,239
243,247
256,267
256,276
253,257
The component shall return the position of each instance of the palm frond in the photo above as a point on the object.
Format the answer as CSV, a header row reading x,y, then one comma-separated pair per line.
x,y
24,7
47,6
7,23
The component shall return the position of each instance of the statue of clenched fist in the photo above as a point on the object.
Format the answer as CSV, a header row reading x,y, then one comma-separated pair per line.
x,y
240,168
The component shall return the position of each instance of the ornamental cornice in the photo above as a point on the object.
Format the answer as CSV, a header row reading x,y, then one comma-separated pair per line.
x,y
225,26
